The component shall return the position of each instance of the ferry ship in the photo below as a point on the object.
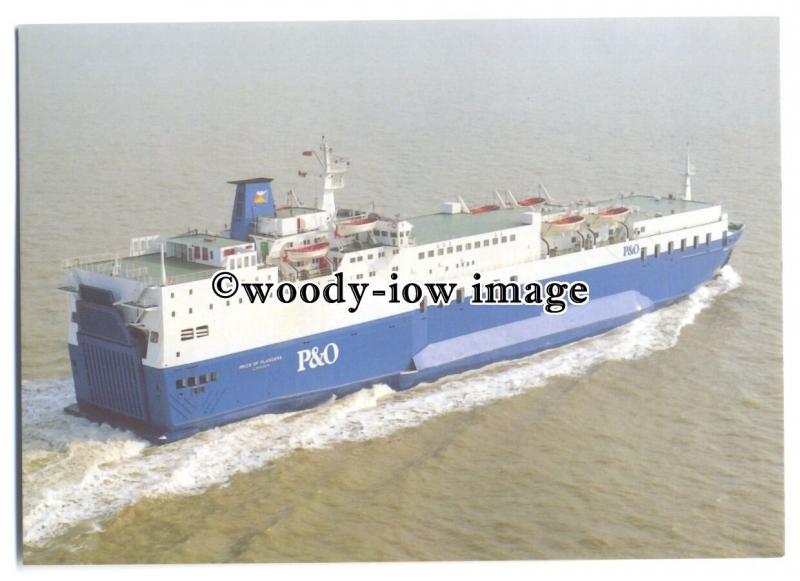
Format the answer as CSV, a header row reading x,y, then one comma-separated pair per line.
x,y
153,349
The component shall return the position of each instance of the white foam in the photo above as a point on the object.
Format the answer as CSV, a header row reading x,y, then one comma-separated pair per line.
x,y
78,472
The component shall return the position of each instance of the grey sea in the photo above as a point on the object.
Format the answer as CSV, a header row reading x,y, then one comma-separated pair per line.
x,y
663,438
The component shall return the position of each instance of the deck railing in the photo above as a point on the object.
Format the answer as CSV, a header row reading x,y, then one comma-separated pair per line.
x,y
113,264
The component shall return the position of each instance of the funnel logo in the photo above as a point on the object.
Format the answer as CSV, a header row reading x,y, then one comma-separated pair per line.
x,y
260,199
316,357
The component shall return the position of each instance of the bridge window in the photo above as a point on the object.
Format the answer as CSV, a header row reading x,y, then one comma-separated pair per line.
x,y
449,250
683,244
708,239
670,247
430,253
725,238
469,245
440,252
459,248
486,242
512,237
494,241
657,250
643,253
421,255
696,241
504,239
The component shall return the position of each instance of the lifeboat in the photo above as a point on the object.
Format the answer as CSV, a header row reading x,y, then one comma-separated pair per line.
x,y
531,201
302,253
357,226
484,209
567,223
612,214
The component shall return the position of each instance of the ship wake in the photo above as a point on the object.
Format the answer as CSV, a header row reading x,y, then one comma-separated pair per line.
x,y
76,473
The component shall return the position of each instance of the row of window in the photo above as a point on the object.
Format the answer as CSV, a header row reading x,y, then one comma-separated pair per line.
x,y
306,242
241,262
193,381
387,234
468,246
210,307
360,257
372,273
671,245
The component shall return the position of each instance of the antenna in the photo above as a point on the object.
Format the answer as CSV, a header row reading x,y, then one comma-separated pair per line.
x,y
163,267
687,186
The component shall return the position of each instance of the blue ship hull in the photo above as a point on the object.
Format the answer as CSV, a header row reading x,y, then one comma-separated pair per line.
x,y
400,351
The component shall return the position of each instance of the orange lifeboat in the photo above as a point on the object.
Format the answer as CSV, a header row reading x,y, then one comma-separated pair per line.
x,y
567,223
357,226
309,252
484,209
531,201
612,214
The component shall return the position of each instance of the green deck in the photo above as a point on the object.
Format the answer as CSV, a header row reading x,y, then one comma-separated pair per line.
x,y
440,227
147,268
650,206
208,240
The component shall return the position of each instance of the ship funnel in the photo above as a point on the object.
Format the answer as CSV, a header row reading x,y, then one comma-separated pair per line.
x,y
253,199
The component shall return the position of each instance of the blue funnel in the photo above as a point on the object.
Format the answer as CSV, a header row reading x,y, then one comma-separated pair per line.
x,y
253,199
